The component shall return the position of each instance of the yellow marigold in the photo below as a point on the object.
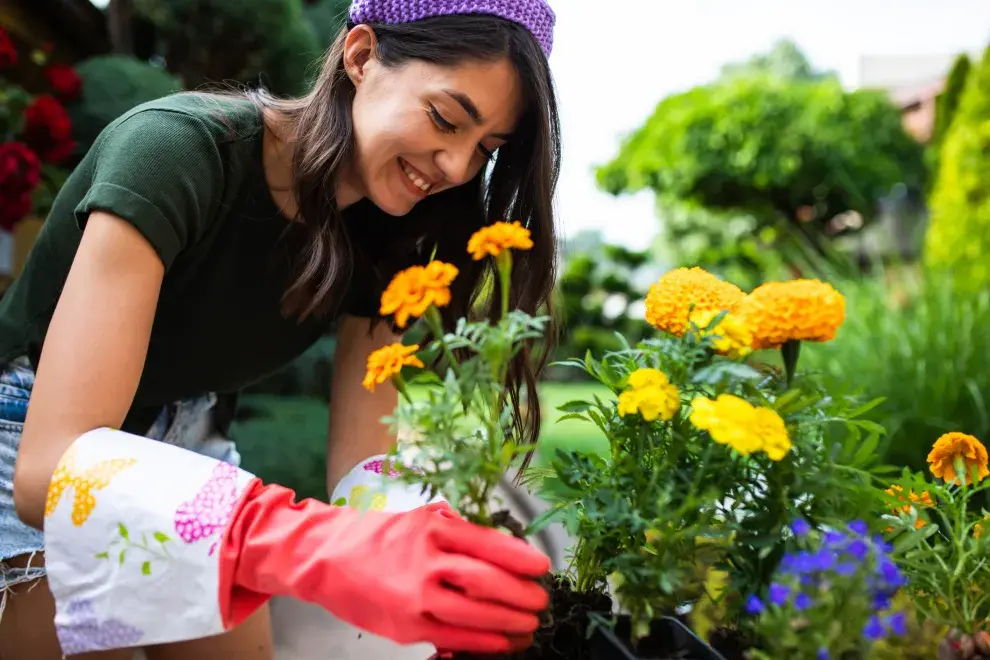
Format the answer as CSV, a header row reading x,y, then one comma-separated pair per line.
x,y
739,424
731,336
651,395
913,499
800,310
669,300
413,290
387,362
978,529
954,445
493,239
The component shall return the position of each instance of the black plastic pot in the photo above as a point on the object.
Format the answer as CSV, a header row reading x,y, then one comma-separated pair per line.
x,y
668,638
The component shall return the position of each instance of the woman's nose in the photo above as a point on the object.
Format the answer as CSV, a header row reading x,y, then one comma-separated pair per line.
x,y
457,164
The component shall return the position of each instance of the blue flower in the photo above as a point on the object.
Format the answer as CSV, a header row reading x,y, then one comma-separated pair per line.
x,y
833,539
858,549
779,593
897,623
845,568
891,574
874,630
802,602
859,527
823,653
754,606
824,560
800,527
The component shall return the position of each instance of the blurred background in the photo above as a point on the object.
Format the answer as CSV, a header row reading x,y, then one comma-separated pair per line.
x,y
847,140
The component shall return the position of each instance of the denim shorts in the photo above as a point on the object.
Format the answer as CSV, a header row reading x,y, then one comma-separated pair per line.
x,y
188,424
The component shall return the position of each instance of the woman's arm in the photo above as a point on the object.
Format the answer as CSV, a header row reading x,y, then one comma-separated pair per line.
x,y
93,353
356,431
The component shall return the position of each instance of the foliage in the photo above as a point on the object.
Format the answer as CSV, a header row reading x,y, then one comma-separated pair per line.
x,y
112,85
789,153
594,297
784,61
817,606
947,103
744,453
327,18
958,238
274,42
918,343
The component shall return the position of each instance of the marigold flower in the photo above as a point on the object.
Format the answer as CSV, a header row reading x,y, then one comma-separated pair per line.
x,y
413,290
955,445
913,499
387,362
739,424
670,299
493,239
731,336
978,529
651,395
797,310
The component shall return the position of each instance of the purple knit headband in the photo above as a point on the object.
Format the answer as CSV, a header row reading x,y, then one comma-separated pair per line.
x,y
534,15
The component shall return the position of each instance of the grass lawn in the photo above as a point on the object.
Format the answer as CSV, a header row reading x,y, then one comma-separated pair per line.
x,y
284,438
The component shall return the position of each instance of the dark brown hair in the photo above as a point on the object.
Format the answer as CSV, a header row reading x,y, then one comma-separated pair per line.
x,y
364,244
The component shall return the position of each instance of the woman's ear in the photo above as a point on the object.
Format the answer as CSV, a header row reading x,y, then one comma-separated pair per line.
x,y
359,50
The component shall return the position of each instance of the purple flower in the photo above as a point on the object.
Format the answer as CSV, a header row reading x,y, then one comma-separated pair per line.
x,y
859,527
802,602
834,538
800,527
823,653
891,574
845,568
754,606
897,623
80,631
779,593
823,560
874,630
858,549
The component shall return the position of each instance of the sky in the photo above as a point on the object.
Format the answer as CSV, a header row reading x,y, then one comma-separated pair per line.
x,y
611,71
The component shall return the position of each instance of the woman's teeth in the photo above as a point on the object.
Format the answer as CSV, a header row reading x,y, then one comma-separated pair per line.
x,y
418,182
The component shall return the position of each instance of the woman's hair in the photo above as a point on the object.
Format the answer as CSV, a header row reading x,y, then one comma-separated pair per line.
x,y
520,186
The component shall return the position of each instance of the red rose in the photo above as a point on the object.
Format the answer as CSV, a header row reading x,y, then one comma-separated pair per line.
x,y
47,129
8,54
20,169
64,81
13,209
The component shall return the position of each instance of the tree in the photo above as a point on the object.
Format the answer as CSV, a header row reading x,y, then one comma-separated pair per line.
x,y
958,237
947,102
245,41
784,61
327,18
798,154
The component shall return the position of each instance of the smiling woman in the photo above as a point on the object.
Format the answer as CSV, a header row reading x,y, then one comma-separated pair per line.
x,y
207,240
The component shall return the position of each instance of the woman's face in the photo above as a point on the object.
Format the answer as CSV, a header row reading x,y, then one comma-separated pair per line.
x,y
420,128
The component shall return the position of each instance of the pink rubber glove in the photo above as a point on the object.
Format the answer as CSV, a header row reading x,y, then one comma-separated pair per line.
x,y
424,575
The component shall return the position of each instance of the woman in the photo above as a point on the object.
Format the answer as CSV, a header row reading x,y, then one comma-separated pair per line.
x,y
206,240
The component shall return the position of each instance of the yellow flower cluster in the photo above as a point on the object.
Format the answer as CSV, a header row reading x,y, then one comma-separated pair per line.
x,y
913,499
797,310
952,446
494,239
387,362
414,290
651,395
739,424
670,299
731,336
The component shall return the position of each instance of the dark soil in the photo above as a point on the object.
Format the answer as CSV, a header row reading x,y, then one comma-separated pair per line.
x,y
731,643
564,634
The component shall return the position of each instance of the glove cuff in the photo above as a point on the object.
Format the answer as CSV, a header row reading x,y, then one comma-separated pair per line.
x,y
132,530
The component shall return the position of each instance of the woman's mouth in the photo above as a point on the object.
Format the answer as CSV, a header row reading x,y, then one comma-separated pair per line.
x,y
415,178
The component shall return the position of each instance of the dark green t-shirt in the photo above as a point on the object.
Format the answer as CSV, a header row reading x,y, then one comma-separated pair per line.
x,y
187,172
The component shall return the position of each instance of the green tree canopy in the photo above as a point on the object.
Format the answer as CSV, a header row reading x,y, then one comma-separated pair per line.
x,y
804,151
959,235
216,41
948,101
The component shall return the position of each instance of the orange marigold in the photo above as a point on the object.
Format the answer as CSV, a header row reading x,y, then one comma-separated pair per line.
x,y
952,446
924,501
413,290
671,298
797,310
388,361
493,239
978,530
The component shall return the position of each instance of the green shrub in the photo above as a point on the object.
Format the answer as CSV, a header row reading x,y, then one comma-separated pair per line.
x,y
112,85
958,238
327,17
923,346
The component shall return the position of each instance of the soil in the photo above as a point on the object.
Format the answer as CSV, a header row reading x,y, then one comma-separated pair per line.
x,y
731,643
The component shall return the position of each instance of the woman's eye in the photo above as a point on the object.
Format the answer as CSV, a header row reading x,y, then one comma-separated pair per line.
x,y
441,123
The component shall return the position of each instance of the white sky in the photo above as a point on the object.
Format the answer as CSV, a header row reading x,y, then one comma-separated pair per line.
x,y
612,70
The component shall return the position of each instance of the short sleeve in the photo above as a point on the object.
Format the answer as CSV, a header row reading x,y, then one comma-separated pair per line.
x,y
160,170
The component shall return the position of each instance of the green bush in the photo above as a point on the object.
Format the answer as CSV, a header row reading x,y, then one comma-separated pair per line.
x,y
327,17
112,85
958,238
923,346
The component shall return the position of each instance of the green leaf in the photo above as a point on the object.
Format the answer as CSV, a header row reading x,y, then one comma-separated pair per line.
x,y
162,537
102,555
123,554
867,450
340,501
123,531
146,568
574,406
